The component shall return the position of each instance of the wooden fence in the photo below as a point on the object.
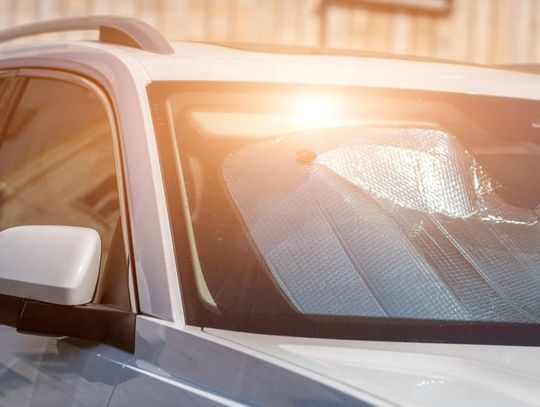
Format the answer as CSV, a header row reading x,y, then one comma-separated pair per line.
x,y
488,31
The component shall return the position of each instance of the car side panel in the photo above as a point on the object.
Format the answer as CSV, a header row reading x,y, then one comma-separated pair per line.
x,y
36,371
198,371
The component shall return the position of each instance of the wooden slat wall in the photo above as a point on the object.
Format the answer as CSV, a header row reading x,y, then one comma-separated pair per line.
x,y
489,31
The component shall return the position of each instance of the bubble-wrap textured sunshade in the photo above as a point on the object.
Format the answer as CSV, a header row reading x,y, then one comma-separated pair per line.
x,y
422,169
398,222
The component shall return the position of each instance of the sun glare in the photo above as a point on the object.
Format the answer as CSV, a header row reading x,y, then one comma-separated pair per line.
x,y
305,113
314,111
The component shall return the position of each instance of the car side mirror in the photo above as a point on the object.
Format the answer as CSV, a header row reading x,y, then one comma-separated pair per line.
x,y
52,264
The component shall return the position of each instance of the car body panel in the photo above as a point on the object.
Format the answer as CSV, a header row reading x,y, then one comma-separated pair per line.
x,y
42,371
412,373
190,357
206,62
177,364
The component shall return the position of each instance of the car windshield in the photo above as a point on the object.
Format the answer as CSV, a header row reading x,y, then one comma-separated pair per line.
x,y
352,212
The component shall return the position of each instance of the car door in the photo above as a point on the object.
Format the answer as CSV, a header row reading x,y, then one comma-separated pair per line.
x,y
58,166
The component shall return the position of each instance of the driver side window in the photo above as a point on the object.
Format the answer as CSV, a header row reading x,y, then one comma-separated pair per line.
x,y
57,167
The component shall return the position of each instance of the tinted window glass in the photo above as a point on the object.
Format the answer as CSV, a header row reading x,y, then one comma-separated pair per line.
x,y
3,86
57,165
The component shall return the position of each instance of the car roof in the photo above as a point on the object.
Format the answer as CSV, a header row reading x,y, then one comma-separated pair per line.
x,y
260,63
198,61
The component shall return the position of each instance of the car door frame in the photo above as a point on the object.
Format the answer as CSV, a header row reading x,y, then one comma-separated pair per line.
x,y
102,323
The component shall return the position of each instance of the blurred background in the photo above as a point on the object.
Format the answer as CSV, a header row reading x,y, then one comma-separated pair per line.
x,y
483,31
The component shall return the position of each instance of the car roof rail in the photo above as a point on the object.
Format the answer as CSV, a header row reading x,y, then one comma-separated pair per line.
x,y
112,29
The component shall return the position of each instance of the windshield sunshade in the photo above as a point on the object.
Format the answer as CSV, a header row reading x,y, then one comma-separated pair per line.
x,y
342,234
353,213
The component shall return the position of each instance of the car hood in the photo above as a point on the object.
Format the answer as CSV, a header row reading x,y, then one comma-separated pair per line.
x,y
406,374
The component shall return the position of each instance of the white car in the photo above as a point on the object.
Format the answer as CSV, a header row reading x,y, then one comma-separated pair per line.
x,y
196,224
